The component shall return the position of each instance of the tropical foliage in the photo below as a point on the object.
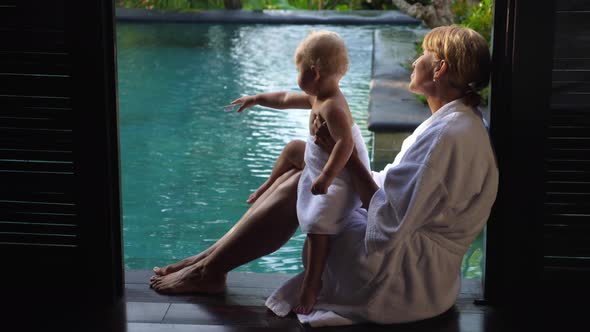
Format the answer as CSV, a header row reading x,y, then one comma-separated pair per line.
x,y
171,4
188,5
480,18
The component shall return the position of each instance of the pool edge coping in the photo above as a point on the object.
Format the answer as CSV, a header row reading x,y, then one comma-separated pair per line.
x,y
392,17
392,107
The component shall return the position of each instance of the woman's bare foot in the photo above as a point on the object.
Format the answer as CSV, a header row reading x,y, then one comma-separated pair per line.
x,y
189,280
307,299
181,264
255,195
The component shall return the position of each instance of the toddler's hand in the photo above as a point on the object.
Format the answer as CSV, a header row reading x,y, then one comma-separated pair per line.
x,y
320,185
246,101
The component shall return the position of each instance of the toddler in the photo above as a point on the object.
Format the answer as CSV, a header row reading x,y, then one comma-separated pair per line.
x,y
324,194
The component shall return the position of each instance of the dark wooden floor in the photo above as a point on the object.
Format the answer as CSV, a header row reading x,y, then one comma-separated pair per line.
x,y
242,309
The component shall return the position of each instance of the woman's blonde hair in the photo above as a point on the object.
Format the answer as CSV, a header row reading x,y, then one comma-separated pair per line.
x,y
467,56
325,50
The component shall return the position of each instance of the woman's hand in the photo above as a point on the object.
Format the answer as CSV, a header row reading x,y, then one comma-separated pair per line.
x,y
322,135
246,101
323,138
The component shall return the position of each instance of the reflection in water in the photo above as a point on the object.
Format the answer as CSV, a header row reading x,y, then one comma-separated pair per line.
x,y
187,166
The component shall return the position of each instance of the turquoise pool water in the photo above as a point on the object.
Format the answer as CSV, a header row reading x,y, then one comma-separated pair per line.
x,y
188,167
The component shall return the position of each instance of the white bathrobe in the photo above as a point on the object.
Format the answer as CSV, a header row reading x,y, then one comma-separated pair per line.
x,y
329,213
401,260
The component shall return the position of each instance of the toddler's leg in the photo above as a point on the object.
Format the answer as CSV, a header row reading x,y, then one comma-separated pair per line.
x,y
316,250
291,157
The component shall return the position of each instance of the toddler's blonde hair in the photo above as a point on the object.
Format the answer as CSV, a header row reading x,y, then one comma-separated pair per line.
x,y
324,50
467,55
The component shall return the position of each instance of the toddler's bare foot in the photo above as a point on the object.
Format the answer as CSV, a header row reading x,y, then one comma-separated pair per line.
x,y
189,280
254,196
307,299
162,271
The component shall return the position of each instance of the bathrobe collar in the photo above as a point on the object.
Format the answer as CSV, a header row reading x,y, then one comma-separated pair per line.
x,y
448,108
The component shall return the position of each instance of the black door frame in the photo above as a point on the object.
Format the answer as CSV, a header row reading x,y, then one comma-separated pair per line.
x,y
520,99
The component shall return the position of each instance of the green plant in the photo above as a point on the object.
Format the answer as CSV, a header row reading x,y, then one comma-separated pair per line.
x,y
421,99
460,10
266,4
300,4
480,18
171,4
341,5
485,95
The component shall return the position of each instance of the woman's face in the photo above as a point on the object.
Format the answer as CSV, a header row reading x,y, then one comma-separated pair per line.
x,y
423,73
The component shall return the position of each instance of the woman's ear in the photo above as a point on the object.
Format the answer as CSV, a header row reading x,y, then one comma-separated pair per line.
x,y
440,69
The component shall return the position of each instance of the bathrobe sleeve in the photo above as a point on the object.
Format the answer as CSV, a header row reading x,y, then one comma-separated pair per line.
x,y
413,194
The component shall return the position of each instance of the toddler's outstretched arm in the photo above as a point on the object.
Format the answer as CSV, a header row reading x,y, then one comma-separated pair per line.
x,y
278,100
292,155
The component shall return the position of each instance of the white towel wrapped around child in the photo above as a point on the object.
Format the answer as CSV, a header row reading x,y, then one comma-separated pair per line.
x,y
325,214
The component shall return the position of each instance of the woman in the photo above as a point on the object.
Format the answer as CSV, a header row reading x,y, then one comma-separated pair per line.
x,y
399,260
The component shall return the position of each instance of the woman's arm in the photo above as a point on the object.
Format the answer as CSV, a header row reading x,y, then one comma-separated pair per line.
x,y
278,100
361,177
362,180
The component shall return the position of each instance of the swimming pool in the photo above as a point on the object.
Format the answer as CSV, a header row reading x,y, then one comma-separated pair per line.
x,y
188,167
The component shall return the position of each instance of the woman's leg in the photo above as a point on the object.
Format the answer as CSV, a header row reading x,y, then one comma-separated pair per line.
x,y
291,157
268,225
196,258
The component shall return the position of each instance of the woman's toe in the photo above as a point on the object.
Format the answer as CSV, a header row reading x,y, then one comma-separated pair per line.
x,y
155,280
